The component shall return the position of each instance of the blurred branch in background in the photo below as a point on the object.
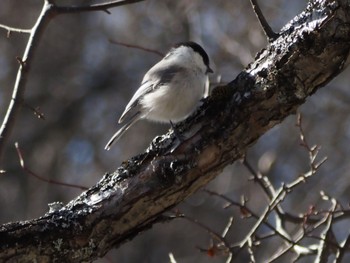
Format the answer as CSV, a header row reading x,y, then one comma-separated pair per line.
x,y
21,79
49,11
270,34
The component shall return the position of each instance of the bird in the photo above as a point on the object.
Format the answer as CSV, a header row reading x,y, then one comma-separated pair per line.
x,y
171,90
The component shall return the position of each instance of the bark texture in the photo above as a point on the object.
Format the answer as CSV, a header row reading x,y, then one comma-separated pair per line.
x,y
309,52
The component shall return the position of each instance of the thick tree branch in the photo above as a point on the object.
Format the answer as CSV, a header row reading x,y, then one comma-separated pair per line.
x,y
309,52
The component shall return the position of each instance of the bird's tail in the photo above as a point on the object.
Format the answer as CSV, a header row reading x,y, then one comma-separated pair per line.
x,y
121,131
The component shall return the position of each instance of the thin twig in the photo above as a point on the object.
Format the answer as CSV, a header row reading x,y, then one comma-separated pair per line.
x,y
324,246
14,29
137,47
220,246
312,150
301,235
271,35
342,251
270,192
36,111
279,254
246,210
331,243
50,181
276,200
313,153
262,180
96,7
228,227
307,250
265,183
298,237
48,12
279,197
22,75
214,234
172,258
250,250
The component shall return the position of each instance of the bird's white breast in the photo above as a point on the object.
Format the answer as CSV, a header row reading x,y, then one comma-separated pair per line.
x,y
169,103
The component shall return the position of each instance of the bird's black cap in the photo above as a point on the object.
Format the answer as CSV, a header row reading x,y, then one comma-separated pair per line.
x,y
197,48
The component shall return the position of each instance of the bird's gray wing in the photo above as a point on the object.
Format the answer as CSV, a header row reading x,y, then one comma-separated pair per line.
x,y
134,105
122,130
155,77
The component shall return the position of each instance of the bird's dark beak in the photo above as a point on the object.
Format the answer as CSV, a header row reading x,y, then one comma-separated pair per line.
x,y
209,70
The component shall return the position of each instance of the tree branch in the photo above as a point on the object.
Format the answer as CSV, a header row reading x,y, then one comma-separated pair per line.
x,y
131,199
270,34
13,29
22,74
96,7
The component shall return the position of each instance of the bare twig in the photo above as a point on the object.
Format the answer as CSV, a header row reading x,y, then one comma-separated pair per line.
x,y
301,234
266,185
96,7
49,10
228,227
341,252
312,150
214,234
282,193
51,181
246,210
262,180
221,246
250,250
14,29
271,35
276,200
20,61
298,237
329,244
326,235
172,258
280,253
326,242
137,47
36,111
21,79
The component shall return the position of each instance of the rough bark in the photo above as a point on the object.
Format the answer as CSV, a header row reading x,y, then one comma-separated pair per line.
x,y
309,52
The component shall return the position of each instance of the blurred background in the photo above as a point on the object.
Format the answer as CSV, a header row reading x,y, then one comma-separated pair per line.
x,y
82,82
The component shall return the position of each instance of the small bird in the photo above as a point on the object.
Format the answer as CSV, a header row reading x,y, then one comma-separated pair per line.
x,y
170,90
